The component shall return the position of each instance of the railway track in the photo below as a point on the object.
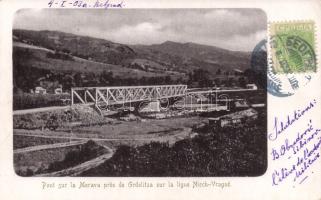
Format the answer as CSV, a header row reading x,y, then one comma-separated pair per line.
x,y
48,146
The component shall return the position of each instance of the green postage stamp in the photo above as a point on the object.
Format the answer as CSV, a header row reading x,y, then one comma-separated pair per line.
x,y
293,47
292,61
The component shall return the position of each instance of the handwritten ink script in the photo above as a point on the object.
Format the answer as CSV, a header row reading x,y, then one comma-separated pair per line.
x,y
299,149
86,4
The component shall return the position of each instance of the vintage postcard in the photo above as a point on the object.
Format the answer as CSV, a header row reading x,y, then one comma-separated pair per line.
x,y
155,103
141,100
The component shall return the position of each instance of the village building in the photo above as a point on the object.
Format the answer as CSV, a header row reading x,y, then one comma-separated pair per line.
x,y
251,86
233,119
58,91
40,90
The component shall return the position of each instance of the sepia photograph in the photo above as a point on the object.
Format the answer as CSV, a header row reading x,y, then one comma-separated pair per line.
x,y
140,92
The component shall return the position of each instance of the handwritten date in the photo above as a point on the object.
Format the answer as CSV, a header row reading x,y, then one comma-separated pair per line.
x,y
85,4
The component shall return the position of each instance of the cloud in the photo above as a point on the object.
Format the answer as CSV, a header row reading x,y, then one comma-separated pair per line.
x,y
236,29
136,34
238,42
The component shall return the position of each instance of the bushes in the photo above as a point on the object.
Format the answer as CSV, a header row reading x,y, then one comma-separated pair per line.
x,y
86,152
57,119
28,121
50,120
59,55
27,101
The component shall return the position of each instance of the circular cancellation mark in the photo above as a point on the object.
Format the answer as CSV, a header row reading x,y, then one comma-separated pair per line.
x,y
277,84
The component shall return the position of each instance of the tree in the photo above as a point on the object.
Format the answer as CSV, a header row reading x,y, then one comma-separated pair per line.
x,y
78,79
168,80
202,77
217,82
68,82
230,82
106,78
242,82
180,81
143,80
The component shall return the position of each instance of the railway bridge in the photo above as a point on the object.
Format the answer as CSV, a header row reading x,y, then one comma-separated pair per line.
x,y
105,97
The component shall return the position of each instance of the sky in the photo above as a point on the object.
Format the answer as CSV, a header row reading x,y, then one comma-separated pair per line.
x,y
233,29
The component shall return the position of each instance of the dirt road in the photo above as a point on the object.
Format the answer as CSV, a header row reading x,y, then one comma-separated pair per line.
x,y
48,146
36,110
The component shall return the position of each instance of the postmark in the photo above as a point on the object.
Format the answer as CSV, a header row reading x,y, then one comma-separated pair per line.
x,y
265,75
259,63
292,61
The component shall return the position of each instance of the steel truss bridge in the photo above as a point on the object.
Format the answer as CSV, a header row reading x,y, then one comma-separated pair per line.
x,y
104,97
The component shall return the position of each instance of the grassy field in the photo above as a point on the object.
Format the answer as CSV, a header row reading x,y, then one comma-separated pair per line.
x,y
37,58
22,141
133,133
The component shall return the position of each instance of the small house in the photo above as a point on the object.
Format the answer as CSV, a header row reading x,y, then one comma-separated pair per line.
x,y
241,103
251,86
233,119
58,91
40,90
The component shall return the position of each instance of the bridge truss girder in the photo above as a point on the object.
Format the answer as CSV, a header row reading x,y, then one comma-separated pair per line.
x,y
102,97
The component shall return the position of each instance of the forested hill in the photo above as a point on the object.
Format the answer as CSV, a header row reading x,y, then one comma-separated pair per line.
x,y
168,56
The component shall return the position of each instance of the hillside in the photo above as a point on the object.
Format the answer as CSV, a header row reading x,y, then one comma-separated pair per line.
x,y
34,66
169,56
195,55
31,56
81,46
